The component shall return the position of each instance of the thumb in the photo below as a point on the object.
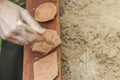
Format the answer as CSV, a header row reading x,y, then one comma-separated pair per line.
x,y
26,17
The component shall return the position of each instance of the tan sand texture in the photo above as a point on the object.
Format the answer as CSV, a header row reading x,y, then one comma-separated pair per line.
x,y
46,68
90,39
45,12
43,47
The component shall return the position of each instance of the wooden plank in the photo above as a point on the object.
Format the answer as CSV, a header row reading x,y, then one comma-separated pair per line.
x,y
29,56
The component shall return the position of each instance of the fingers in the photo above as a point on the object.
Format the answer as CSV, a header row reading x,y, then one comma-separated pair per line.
x,y
31,22
10,31
30,37
18,35
17,40
24,37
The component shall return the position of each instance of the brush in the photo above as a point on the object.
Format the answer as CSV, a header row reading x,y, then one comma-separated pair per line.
x,y
30,29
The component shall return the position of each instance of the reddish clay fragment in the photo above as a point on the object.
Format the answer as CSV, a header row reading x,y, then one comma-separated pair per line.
x,y
46,68
43,47
45,12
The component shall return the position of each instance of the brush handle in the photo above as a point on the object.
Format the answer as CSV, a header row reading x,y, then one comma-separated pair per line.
x,y
26,27
30,29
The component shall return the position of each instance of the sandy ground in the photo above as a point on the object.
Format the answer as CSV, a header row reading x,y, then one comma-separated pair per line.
x,y
91,39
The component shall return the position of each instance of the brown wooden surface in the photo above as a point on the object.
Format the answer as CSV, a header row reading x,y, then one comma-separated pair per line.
x,y
29,56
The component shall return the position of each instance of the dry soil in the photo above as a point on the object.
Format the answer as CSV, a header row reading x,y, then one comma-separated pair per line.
x,y
91,39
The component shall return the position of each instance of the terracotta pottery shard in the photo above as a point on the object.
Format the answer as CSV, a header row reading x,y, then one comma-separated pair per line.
x,y
45,12
43,47
46,68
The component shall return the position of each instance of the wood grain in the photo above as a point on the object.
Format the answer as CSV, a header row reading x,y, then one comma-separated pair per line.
x,y
29,56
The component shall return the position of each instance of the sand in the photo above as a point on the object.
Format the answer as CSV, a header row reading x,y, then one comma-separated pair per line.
x,y
90,31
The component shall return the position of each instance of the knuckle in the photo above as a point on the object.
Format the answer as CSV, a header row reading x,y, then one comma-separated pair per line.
x,y
13,30
32,38
7,35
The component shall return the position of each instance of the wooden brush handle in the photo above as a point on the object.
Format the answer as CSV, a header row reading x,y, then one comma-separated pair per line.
x,y
26,27
30,29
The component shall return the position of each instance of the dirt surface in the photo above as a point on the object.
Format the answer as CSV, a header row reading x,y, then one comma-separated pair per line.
x,y
91,39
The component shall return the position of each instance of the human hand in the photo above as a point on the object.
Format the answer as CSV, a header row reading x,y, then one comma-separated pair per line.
x,y
10,14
